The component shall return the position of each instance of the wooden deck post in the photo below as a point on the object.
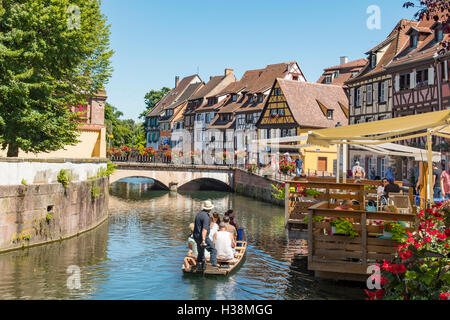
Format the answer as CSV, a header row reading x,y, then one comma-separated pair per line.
x,y
364,239
310,236
287,207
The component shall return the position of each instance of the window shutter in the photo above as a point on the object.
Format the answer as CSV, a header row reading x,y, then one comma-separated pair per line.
x,y
363,95
446,70
431,76
386,92
352,94
413,79
375,92
397,82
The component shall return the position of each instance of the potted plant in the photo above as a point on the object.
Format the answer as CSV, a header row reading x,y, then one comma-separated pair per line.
x,y
343,226
308,193
252,167
393,230
287,167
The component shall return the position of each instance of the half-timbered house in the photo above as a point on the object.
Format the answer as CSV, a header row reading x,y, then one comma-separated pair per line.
x,y
293,108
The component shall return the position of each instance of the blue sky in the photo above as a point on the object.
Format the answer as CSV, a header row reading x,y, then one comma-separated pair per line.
x,y
156,40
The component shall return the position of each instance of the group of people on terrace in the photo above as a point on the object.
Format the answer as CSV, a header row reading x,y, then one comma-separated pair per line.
x,y
441,180
212,238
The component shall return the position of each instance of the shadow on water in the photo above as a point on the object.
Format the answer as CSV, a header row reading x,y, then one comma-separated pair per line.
x,y
138,254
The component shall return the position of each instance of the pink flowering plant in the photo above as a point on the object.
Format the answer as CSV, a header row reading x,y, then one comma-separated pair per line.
x,y
421,267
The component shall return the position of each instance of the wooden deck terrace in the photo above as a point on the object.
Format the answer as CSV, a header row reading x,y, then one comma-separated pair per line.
x,y
342,257
296,206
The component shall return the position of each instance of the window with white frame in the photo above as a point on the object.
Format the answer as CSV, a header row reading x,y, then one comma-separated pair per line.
x,y
373,61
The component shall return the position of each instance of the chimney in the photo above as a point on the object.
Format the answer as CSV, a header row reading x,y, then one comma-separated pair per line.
x,y
344,60
177,80
229,71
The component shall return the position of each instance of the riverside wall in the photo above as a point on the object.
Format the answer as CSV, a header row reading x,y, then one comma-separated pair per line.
x,y
256,187
41,213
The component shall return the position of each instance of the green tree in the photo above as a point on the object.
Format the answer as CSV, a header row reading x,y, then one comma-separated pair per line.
x,y
122,132
53,54
152,98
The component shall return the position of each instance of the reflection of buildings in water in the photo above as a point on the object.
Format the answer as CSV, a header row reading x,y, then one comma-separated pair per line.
x,y
41,272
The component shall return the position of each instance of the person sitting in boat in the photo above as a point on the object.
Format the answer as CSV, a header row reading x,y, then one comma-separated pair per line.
x,y
192,244
214,226
224,243
231,229
201,235
230,213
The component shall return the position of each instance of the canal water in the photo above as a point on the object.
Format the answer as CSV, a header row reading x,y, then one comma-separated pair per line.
x,y
137,254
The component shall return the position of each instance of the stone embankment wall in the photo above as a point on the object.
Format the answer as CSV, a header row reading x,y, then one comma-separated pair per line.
x,y
256,187
36,214
32,171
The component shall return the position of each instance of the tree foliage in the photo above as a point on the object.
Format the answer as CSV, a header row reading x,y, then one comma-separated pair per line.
x,y
122,132
152,98
53,54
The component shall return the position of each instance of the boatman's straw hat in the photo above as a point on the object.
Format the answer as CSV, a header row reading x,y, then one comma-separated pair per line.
x,y
207,205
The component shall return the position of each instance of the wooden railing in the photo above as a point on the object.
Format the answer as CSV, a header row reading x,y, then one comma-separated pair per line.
x,y
344,257
296,207
362,191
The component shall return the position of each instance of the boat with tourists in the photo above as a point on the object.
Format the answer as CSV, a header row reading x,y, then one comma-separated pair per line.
x,y
224,267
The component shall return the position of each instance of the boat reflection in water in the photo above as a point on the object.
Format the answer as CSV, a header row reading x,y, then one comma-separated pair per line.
x,y
137,254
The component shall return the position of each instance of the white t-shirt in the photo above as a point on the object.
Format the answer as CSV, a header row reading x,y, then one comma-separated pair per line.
x,y
212,231
223,245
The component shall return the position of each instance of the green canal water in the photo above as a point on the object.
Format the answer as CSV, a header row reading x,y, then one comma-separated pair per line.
x,y
137,254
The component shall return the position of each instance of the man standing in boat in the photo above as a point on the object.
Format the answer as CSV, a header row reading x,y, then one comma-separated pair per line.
x,y
201,235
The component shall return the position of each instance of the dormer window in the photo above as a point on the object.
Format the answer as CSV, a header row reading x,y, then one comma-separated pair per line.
x,y
413,41
330,114
211,101
354,73
251,99
260,98
336,74
234,97
373,61
438,35
328,78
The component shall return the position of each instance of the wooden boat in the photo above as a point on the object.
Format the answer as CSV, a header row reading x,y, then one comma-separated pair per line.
x,y
224,267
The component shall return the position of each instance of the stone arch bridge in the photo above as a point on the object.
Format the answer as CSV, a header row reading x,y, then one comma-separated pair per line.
x,y
173,177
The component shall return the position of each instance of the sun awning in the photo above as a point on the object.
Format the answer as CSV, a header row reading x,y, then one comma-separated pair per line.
x,y
393,149
383,131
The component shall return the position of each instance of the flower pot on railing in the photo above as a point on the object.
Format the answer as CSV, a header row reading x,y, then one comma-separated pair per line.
x,y
387,235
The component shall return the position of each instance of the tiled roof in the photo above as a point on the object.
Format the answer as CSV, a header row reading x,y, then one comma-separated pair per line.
x,y
426,48
304,99
345,71
394,43
211,89
187,94
170,98
253,82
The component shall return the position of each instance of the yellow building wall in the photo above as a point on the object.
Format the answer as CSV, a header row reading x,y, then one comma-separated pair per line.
x,y
92,145
313,153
